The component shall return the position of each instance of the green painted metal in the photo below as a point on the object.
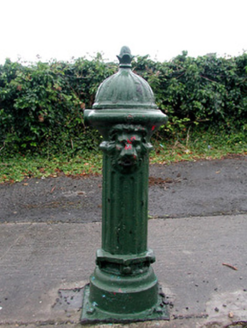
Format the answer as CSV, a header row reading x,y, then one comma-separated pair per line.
x,y
124,89
123,286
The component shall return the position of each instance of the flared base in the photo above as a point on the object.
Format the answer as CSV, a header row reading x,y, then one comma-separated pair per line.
x,y
109,298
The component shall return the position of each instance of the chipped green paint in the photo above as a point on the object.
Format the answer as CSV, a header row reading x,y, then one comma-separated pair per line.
x,y
123,286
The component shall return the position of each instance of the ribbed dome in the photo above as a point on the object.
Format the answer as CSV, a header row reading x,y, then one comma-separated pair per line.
x,y
124,89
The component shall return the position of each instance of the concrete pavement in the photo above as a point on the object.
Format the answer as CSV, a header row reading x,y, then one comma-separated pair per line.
x,y
201,263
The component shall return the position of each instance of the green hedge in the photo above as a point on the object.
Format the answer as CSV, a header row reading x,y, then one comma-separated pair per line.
x,y
41,105
209,91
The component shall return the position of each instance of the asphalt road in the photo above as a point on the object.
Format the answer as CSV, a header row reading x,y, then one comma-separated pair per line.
x,y
185,189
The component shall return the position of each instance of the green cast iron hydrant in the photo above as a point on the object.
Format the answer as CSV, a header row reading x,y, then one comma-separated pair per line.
x,y
123,287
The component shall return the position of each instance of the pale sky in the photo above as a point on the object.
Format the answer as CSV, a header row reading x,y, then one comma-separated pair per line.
x,y
62,29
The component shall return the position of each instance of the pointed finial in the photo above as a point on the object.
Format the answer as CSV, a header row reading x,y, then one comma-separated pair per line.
x,y
125,57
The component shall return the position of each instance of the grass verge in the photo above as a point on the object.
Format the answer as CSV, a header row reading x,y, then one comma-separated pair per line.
x,y
193,147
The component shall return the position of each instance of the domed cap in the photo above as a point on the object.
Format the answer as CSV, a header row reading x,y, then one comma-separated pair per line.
x,y
125,89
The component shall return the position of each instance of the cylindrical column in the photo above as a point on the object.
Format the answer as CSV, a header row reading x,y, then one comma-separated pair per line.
x,y
125,206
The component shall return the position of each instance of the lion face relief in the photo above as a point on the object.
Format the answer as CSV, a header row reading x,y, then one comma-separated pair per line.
x,y
127,146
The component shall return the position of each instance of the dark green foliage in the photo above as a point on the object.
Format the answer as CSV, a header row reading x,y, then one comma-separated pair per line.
x,y
207,90
41,105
